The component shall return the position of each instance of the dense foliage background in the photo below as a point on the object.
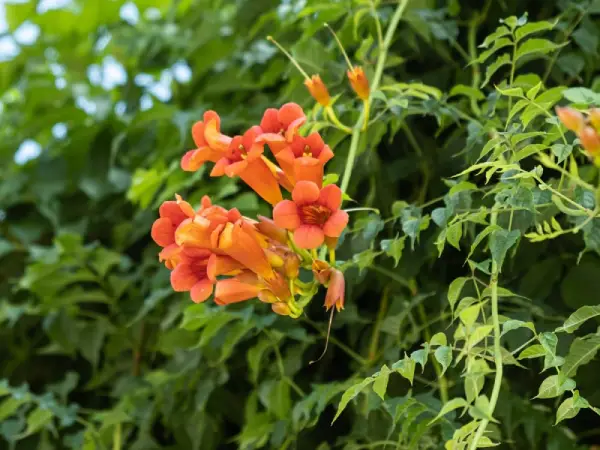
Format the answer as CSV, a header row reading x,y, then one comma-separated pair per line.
x,y
97,100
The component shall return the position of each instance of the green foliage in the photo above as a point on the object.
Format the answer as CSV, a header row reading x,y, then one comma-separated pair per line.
x,y
474,239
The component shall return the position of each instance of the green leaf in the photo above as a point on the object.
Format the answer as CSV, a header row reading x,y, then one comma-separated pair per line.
x,y
468,91
381,381
453,234
498,44
531,93
514,324
553,387
567,410
9,406
582,96
349,394
254,357
469,315
451,405
37,419
420,356
406,368
502,60
582,351
443,355
536,46
533,27
528,150
479,334
575,320
438,339
500,242
500,32
455,289
394,248
533,351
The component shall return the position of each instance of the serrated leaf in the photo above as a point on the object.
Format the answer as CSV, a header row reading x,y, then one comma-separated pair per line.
x,y
438,339
443,355
567,410
394,248
451,405
535,46
420,357
553,387
527,151
381,381
453,235
582,96
481,236
489,146
531,93
514,324
533,351
350,393
455,289
533,27
469,315
479,334
406,368
468,91
498,44
582,351
575,320
37,419
502,60
498,33
500,242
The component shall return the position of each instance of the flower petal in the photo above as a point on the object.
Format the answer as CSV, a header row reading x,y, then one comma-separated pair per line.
x,y
275,141
309,236
326,154
236,168
285,215
308,168
262,180
201,291
172,210
315,142
288,113
183,278
305,192
218,169
331,197
232,290
221,265
270,122
336,224
163,232
198,134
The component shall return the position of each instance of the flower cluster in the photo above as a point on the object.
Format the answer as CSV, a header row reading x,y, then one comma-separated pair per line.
x,y
586,128
219,252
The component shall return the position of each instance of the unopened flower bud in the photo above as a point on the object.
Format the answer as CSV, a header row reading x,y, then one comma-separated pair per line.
x,y
335,291
359,82
267,227
274,259
292,265
590,141
321,271
594,117
267,296
281,308
571,118
318,90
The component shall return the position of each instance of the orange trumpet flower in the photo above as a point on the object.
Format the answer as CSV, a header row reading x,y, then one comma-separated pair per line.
x,y
210,142
312,214
305,159
318,90
359,82
281,125
190,274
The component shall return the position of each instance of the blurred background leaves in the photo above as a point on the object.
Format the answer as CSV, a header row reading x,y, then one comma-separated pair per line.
x,y
97,98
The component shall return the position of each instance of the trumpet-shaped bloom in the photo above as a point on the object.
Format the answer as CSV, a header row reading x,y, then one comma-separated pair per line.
x,y
171,214
243,159
305,158
335,291
210,142
590,141
312,214
281,125
571,118
191,275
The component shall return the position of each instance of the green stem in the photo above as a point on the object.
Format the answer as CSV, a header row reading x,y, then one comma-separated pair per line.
x,y
497,348
117,437
334,119
356,132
